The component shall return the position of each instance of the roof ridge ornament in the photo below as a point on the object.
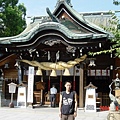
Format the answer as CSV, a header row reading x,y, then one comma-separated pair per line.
x,y
53,17
67,1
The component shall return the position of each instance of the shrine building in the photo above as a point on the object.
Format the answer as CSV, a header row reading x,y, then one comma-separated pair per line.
x,y
57,46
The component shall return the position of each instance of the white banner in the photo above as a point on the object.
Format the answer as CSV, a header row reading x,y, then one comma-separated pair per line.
x,y
30,85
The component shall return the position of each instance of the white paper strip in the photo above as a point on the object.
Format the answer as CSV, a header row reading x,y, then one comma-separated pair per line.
x,y
30,85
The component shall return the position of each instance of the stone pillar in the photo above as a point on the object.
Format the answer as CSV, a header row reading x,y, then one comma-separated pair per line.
x,y
81,105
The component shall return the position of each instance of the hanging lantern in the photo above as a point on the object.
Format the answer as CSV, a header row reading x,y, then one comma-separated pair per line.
x,y
66,72
53,73
39,72
92,63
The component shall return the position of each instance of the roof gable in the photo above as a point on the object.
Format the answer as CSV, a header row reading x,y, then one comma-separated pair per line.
x,y
63,11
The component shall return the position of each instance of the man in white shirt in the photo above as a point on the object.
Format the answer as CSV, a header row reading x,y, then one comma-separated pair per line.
x,y
53,92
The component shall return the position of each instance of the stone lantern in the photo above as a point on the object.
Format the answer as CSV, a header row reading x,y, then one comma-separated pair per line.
x,y
117,82
115,98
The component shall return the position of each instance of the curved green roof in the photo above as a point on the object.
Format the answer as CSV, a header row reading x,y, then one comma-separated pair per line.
x,y
26,36
45,24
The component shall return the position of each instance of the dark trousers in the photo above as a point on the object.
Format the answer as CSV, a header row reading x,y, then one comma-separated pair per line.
x,y
52,100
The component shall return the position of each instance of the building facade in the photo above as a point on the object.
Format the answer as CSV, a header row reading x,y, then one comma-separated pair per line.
x,y
57,43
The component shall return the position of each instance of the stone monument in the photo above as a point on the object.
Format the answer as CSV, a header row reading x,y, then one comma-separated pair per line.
x,y
115,100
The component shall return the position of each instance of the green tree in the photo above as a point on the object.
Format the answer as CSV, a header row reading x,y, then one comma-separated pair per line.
x,y
12,17
116,2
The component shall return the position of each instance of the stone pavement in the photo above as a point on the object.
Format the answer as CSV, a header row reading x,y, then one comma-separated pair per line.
x,y
45,113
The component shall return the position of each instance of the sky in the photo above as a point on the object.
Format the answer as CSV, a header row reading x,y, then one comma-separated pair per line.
x,y
38,7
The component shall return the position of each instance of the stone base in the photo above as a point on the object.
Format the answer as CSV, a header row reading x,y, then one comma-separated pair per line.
x,y
6,102
30,105
11,105
113,115
112,106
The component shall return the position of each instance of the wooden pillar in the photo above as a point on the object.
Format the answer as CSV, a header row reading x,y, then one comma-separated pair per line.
x,y
49,83
20,74
1,86
81,87
74,78
0,99
41,101
61,81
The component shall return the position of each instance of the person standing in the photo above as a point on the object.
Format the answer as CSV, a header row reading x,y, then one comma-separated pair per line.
x,y
53,92
68,103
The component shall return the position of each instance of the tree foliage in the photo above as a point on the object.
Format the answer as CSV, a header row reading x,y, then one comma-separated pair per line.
x,y
116,2
12,17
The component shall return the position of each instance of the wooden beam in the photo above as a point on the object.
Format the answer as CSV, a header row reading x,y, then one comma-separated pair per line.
x,y
81,87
